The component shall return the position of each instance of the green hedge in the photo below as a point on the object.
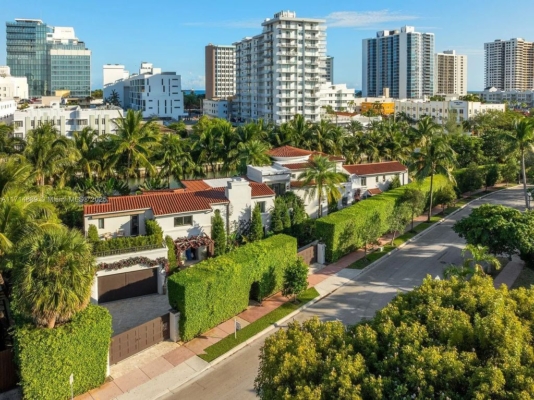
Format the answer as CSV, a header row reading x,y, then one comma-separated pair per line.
x,y
47,357
216,289
339,231
154,237
171,252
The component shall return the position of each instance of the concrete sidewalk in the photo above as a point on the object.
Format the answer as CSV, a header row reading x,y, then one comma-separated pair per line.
x,y
147,379
509,273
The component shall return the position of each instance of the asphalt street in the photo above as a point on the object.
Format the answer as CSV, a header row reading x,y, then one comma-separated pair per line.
x,y
233,378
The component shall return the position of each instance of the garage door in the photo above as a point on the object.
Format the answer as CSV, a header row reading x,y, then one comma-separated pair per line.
x,y
130,284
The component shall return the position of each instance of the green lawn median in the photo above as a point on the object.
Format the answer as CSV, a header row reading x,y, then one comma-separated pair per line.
x,y
229,342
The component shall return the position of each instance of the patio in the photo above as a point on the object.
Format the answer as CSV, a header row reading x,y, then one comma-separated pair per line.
x,y
129,313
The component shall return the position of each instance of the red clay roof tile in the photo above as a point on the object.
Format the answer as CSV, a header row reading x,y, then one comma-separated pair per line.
x,y
375,168
289,151
374,191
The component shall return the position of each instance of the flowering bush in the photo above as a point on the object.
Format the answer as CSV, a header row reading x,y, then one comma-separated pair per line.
x,y
128,262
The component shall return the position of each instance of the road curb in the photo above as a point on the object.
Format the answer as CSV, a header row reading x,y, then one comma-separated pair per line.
x,y
318,298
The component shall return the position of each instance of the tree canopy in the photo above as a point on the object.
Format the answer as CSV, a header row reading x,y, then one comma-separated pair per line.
x,y
447,339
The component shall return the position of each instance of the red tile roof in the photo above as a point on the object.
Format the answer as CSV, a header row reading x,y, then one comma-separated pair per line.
x,y
289,151
161,204
374,191
296,166
331,158
375,168
196,184
260,189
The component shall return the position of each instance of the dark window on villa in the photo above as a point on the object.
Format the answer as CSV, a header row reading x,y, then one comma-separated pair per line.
x,y
101,223
180,221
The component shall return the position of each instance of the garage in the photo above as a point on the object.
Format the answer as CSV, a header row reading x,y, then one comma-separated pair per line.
x,y
126,285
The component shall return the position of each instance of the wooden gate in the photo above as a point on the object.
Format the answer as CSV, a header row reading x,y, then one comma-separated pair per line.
x,y
308,253
8,370
141,337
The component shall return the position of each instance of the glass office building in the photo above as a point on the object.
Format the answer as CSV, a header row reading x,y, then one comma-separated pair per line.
x,y
51,58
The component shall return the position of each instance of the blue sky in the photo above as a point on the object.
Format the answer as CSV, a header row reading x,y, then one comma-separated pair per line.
x,y
172,34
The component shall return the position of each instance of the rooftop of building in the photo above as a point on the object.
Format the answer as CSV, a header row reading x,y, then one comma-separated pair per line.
x,y
375,168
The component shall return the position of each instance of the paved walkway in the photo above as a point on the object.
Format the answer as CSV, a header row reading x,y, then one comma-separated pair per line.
x,y
509,273
170,370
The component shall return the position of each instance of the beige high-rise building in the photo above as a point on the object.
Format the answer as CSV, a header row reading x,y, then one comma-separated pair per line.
x,y
509,64
450,73
220,71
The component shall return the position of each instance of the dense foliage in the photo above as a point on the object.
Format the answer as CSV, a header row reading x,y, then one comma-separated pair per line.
x,y
295,278
448,339
218,288
342,231
47,357
218,234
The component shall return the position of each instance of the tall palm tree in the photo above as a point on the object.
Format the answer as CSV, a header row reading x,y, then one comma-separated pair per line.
x,y
86,142
319,134
293,132
175,158
206,146
523,137
322,180
49,153
134,140
425,129
53,274
335,141
435,157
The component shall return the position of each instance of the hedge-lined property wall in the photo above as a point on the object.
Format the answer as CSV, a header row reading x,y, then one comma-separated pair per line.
x,y
47,357
218,288
340,230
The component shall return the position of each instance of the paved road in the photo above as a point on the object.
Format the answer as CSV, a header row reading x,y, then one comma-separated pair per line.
x,y
233,378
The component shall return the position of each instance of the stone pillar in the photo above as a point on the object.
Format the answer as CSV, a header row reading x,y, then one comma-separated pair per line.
x,y
161,279
321,252
174,324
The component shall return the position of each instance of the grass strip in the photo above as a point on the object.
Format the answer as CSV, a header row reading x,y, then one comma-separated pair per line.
x,y
371,257
525,279
229,342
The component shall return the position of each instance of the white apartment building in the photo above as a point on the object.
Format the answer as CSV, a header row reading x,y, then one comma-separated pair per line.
x,y
66,120
277,71
339,97
217,108
7,110
329,73
113,73
441,111
220,71
401,60
509,64
450,77
155,93
12,87
513,97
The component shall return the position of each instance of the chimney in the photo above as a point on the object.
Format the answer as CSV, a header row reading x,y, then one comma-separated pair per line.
x,y
239,192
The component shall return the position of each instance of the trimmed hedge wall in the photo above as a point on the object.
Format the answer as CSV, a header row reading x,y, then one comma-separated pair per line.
x,y
339,231
47,357
218,288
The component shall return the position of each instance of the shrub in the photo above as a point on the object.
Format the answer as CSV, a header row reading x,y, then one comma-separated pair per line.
x,y
340,231
47,357
218,288
295,278
171,253
92,234
256,226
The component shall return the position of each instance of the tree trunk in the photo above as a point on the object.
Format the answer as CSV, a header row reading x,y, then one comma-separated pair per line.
x,y
393,239
430,206
51,322
320,210
524,178
412,220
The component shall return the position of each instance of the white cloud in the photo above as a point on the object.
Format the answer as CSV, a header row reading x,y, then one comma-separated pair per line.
x,y
191,81
250,23
354,19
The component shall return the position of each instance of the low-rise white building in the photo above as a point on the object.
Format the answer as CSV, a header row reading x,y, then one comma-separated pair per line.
x,y
217,108
339,97
7,110
66,120
493,95
12,87
182,212
155,93
441,111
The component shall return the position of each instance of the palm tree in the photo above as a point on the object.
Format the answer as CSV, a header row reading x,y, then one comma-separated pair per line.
x,y
15,172
206,146
293,132
134,140
523,137
435,157
53,274
175,158
322,180
90,152
253,152
479,254
319,134
8,143
425,129
49,153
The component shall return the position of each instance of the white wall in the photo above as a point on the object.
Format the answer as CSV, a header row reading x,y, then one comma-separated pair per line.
x,y
216,108
311,204
7,110
113,223
355,182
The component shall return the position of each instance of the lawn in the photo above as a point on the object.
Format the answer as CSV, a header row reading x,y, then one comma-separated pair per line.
x,y
371,257
229,342
525,279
